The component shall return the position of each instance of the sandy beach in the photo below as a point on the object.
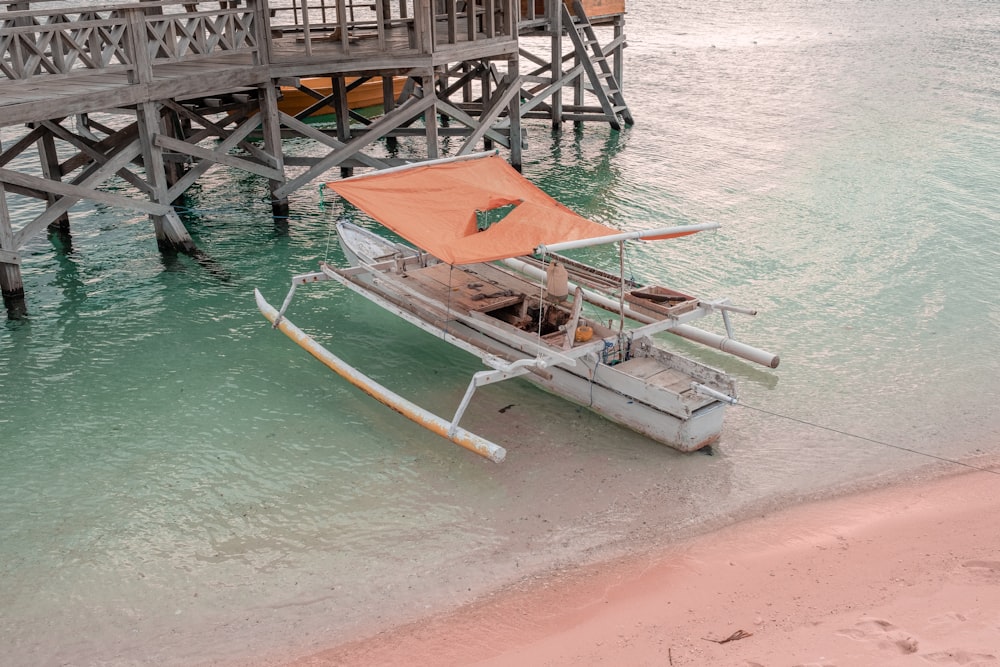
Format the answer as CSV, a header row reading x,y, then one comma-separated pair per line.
x,y
906,575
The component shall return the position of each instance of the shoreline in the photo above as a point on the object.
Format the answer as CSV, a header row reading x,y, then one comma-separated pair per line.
x,y
902,574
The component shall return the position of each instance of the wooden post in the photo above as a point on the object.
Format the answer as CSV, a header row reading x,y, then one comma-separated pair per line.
x,y
267,97
264,54
173,128
50,170
423,25
170,232
485,82
514,113
554,9
618,63
343,111
11,284
430,118
388,104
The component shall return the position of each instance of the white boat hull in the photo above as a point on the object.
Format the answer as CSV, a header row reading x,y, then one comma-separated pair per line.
x,y
701,428
672,416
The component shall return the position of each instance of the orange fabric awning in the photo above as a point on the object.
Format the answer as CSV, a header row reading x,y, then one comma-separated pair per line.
x,y
435,207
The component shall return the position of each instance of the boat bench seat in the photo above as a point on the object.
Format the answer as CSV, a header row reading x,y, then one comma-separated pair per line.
x,y
463,289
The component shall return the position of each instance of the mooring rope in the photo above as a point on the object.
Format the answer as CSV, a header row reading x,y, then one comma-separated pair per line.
x,y
871,440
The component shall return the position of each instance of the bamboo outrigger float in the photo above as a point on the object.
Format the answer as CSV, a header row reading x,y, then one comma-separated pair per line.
x,y
487,276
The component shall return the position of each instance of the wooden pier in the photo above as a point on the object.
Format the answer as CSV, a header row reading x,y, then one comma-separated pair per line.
x,y
157,92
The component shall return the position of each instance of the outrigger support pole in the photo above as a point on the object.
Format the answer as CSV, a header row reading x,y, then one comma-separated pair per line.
x,y
519,367
302,279
655,234
410,410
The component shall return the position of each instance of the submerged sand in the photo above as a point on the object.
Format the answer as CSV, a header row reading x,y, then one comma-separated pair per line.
x,y
907,575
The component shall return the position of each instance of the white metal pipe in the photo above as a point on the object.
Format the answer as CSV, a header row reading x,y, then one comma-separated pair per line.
x,y
410,410
425,163
725,344
724,306
708,391
624,236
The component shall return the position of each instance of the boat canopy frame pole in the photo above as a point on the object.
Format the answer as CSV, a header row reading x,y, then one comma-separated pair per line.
x,y
424,163
546,248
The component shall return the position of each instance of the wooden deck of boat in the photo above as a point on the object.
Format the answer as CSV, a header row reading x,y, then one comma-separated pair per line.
x,y
657,374
483,288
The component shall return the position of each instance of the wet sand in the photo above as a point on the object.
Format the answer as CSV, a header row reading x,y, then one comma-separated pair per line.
x,y
907,575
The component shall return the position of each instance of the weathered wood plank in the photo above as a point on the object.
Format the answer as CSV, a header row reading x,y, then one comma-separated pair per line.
x,y
217,157
65,189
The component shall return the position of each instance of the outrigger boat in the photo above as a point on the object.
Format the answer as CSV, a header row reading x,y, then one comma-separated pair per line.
x,y
486,273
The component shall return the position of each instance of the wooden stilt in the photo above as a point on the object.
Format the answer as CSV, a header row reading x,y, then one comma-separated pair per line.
x,y
170,232
388,104
49,160
343,117
11,284
430,118
555,19
172,128
514,114
271,128
485,83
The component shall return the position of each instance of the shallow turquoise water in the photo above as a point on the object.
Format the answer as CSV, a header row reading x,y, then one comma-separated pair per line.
x,y
180,485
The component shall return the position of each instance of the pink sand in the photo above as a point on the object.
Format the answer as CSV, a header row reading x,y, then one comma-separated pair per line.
x,y
908,575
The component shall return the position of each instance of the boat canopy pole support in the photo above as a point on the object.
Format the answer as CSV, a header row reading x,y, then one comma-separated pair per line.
x,y
425,163
411,411
303,279
519,367
662,232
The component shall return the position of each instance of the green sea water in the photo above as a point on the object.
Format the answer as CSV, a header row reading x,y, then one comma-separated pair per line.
x,y
180,484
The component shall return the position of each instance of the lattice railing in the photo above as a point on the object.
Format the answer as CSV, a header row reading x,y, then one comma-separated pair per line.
x,y
182,37
60,43
63,41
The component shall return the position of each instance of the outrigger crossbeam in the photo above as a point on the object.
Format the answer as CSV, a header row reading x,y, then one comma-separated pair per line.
x,y
442,427
482,378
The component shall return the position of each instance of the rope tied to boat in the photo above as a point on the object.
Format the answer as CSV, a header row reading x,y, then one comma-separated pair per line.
x,y
871,440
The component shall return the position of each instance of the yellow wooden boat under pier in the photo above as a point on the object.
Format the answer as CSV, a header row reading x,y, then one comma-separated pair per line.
x,y
359,95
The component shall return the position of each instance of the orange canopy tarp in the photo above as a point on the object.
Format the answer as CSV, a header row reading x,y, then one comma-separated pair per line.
x,y
435,206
